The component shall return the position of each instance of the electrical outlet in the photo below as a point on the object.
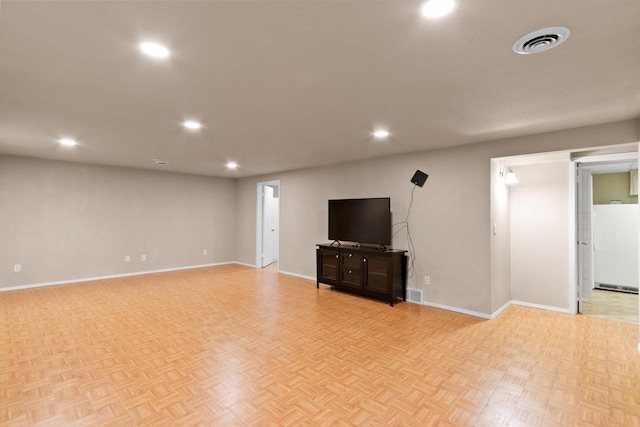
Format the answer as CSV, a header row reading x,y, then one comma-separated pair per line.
x,y
143,258
17,268
427,280
204,252
127,258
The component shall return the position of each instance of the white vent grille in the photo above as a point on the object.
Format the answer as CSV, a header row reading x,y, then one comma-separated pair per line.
x,y
541,40
414,295
619,288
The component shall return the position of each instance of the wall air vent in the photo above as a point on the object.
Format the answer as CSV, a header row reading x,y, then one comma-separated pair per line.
x,y
541,40
619,288
414,295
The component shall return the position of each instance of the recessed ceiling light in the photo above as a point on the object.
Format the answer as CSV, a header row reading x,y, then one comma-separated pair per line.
x,y
67,142
160,162
232,165
192,125
437,8
381,134
154,50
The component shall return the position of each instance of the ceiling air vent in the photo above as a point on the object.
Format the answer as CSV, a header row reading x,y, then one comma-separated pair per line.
x,y
541,40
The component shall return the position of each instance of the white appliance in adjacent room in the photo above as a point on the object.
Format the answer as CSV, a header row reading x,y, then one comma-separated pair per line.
x,y
615,238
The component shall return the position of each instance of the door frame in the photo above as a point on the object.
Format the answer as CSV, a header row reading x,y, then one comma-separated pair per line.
x,y
260,217
583,197
586,162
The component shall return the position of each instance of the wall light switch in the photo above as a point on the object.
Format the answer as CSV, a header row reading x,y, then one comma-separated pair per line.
x,y
127,258
17,268
204,252
143,258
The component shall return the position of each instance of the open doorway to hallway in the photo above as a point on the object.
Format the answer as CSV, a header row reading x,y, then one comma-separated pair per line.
x,y
607,227
538,243
268,223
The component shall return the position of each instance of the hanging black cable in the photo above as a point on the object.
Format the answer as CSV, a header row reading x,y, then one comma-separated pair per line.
x,y
405,225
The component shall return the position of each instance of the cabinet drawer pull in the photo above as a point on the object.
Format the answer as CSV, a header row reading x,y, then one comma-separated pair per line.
x,y
349,271
350,255
336,256
364,260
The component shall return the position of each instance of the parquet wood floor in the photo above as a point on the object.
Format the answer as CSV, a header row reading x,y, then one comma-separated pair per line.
x,y
612,305
233,345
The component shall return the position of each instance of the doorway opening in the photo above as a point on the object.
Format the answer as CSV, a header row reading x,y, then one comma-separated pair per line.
x,y
607,236
541,228
268,223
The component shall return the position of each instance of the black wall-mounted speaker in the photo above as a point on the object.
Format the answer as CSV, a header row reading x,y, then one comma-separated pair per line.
x,y
419,178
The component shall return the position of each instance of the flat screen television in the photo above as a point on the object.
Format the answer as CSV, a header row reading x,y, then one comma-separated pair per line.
x,y
361,220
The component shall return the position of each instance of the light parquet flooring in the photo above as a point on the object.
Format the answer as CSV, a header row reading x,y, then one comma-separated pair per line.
x,y
233,345
612,305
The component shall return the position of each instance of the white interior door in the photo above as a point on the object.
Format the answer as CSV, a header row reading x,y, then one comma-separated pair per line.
x,y
270,224
273,222
585,234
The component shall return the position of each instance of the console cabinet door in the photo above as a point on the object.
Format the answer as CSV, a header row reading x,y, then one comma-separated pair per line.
x,y
329,266
378,273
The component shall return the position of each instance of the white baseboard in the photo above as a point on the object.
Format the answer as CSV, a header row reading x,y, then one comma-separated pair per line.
x,y
542,307
288,273
243,263
500,310
457,310
112,276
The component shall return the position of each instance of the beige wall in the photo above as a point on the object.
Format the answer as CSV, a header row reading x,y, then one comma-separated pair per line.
x,y
67,221
540,230
451,224
303,208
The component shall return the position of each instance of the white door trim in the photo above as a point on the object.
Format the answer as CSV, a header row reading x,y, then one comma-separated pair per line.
x,y
588,163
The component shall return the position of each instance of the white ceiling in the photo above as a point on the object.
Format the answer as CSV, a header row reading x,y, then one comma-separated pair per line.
x,y
283,85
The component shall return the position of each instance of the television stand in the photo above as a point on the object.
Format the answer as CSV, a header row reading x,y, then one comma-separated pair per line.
x,y
369,272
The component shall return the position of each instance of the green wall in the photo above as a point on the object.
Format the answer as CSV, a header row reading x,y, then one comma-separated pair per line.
x,y
612,186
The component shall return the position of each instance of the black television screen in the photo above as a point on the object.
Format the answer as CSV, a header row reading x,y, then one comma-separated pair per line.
x,y
361,220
